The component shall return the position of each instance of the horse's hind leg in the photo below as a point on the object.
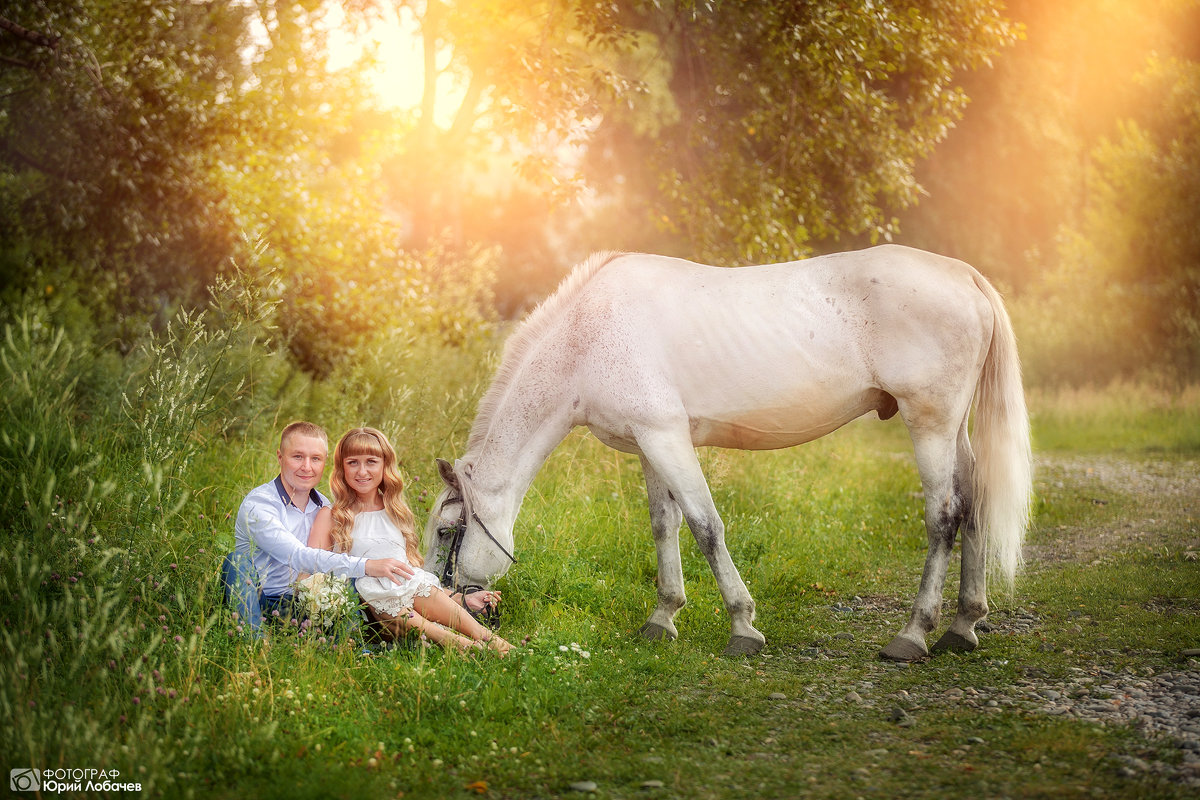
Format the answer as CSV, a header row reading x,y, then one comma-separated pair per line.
x,y
665,519
972,588
944,511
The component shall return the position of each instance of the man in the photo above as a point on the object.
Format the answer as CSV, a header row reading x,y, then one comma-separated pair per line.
x,y
271,533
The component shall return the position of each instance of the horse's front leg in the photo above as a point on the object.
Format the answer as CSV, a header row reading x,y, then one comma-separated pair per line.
x,y
674,461
665,519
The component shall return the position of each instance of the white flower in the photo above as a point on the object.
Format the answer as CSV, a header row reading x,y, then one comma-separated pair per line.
x,y
326,598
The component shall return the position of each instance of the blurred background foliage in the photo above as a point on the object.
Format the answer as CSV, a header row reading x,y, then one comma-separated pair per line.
x,y
433,187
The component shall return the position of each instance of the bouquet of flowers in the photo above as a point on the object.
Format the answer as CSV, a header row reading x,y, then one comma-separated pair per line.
x,y
327,599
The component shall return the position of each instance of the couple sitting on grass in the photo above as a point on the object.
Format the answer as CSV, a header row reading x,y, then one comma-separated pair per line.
x,y
286,528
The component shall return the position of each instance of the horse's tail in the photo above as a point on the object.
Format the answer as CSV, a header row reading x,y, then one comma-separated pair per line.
x,y
1003,481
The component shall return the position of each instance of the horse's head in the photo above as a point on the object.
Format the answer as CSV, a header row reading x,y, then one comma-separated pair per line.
x,y
461,546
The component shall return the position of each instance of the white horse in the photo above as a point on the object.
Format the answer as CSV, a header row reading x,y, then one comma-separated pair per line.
x,y
658,356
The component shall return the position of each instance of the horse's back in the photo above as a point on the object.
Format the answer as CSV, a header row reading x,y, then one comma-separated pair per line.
x,y
775,355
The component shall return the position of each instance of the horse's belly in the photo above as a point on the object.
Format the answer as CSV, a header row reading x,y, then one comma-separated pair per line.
x,y
774,428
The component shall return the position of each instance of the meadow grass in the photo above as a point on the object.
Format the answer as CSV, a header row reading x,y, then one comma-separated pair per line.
x,y
116,652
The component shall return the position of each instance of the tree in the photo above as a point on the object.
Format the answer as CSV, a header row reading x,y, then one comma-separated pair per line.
x,y
794,123
108,113
1015,169
1124,298
733,131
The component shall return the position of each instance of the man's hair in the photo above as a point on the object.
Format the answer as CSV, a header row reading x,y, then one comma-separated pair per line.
x,y
303,429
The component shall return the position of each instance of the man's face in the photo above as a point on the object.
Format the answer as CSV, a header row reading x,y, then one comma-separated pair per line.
x,y
302,461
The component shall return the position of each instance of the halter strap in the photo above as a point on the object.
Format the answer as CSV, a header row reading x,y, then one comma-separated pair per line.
x,y
450,568
495,541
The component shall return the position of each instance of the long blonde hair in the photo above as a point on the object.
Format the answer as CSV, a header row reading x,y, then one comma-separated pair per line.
x,y
370,442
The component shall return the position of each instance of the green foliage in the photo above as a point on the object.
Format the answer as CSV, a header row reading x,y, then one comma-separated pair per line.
x,y
1014,170
796,123
1124,298
109,114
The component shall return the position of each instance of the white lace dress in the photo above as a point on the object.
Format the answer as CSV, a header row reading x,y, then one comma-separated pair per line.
x,y
376,536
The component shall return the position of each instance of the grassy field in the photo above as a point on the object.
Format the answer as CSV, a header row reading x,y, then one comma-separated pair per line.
x,y
152,678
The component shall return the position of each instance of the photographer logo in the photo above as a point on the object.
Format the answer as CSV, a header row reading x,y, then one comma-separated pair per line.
x,y
26,779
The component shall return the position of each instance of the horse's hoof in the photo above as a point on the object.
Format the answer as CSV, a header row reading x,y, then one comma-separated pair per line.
x,y
955,642
657,633
744,646
901,649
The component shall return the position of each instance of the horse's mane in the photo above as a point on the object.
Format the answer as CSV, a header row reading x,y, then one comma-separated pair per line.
x,y
528,332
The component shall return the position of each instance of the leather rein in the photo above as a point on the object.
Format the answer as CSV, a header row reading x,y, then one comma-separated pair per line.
x,y
458,531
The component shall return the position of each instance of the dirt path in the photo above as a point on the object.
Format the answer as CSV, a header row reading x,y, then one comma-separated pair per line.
x,y
1165,511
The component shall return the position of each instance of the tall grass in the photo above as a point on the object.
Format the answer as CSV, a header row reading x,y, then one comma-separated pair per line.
x,y
107,596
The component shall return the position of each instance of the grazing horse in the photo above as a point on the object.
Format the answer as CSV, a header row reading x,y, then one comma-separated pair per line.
x,y
658,356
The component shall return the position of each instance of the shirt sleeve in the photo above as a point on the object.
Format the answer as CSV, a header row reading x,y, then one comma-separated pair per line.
x,y
267,532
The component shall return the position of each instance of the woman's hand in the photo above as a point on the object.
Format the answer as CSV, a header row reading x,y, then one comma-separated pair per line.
x,y
478,601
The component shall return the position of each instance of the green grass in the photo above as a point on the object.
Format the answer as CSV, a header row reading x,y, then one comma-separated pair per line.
x,y
1124,418
814,530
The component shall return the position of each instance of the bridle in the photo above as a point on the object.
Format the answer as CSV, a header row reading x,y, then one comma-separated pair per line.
x,y
449,576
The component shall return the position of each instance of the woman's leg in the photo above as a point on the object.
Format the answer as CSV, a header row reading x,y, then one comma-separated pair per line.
x,y
438,607
410,620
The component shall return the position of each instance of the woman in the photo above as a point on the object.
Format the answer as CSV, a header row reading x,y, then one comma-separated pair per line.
x,y
370,519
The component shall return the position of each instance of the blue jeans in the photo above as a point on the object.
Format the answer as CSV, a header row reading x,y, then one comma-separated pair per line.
x,y
240,583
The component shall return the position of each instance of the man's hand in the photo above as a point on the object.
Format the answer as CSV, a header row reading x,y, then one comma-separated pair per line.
x,y
392,568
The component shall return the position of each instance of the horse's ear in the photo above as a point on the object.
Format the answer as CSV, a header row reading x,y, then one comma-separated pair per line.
x,y
446,470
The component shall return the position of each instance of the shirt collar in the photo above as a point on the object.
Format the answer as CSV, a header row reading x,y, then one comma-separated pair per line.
x,y
286,498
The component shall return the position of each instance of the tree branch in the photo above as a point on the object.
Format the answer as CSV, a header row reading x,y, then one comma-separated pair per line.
x,y
16,155
15,62
466,116
33,37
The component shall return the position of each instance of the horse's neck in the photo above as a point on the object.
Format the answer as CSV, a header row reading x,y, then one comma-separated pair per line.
x,y
522,433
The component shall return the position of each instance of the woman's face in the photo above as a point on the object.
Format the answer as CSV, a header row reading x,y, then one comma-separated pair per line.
x,y
364,473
